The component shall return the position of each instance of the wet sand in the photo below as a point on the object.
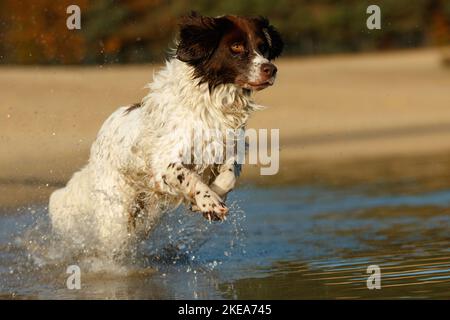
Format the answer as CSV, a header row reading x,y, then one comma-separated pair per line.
x,y
386,114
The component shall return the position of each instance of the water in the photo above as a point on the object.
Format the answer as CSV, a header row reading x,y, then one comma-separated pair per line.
x,y
279,243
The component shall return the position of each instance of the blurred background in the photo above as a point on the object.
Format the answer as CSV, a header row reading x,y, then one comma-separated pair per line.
x,y
133,31
364,119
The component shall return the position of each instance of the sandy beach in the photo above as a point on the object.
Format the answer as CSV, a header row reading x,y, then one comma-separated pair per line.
x,y
385,114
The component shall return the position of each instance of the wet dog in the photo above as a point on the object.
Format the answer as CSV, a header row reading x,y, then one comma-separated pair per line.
x,y
136,169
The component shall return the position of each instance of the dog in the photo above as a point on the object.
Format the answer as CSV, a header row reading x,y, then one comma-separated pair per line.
x,y
135,170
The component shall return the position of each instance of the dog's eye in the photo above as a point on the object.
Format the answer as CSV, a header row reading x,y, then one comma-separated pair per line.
x,y
237,48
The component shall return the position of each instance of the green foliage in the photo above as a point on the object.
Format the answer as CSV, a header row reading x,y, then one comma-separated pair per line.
x,y
141,30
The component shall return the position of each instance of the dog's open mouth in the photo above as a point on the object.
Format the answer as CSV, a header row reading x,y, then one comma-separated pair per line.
x,y
260,85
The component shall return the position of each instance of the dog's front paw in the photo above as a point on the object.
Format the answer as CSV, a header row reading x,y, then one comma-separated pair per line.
x,y
210,204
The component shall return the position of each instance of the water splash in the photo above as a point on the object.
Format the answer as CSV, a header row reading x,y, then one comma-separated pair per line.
x,y
36,255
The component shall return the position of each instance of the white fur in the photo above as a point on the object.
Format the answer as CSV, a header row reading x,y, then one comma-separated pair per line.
x,y
255,69
131,155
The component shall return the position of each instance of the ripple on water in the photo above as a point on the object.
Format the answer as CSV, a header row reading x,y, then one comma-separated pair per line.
x,y
278,243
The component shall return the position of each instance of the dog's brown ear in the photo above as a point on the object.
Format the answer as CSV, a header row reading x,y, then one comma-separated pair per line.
x,y
273,37
199,37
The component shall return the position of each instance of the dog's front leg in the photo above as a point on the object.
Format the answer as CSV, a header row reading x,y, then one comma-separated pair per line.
x,y
226,179
190,185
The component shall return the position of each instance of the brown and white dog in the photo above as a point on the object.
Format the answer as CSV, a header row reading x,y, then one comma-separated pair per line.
x,y
136,169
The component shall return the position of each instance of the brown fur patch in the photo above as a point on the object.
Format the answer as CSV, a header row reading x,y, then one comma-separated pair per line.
x,y
138,206
134,106
205,44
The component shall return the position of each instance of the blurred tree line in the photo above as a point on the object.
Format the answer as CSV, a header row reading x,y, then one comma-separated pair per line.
x,y
124,31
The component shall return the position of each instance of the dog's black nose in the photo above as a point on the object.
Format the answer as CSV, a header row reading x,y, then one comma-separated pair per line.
x,y
269,70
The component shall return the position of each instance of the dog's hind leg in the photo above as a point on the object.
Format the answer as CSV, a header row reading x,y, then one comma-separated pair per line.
x,y
69,208
111,221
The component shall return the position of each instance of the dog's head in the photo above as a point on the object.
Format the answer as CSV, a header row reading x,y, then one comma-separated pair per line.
x,y
230,49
